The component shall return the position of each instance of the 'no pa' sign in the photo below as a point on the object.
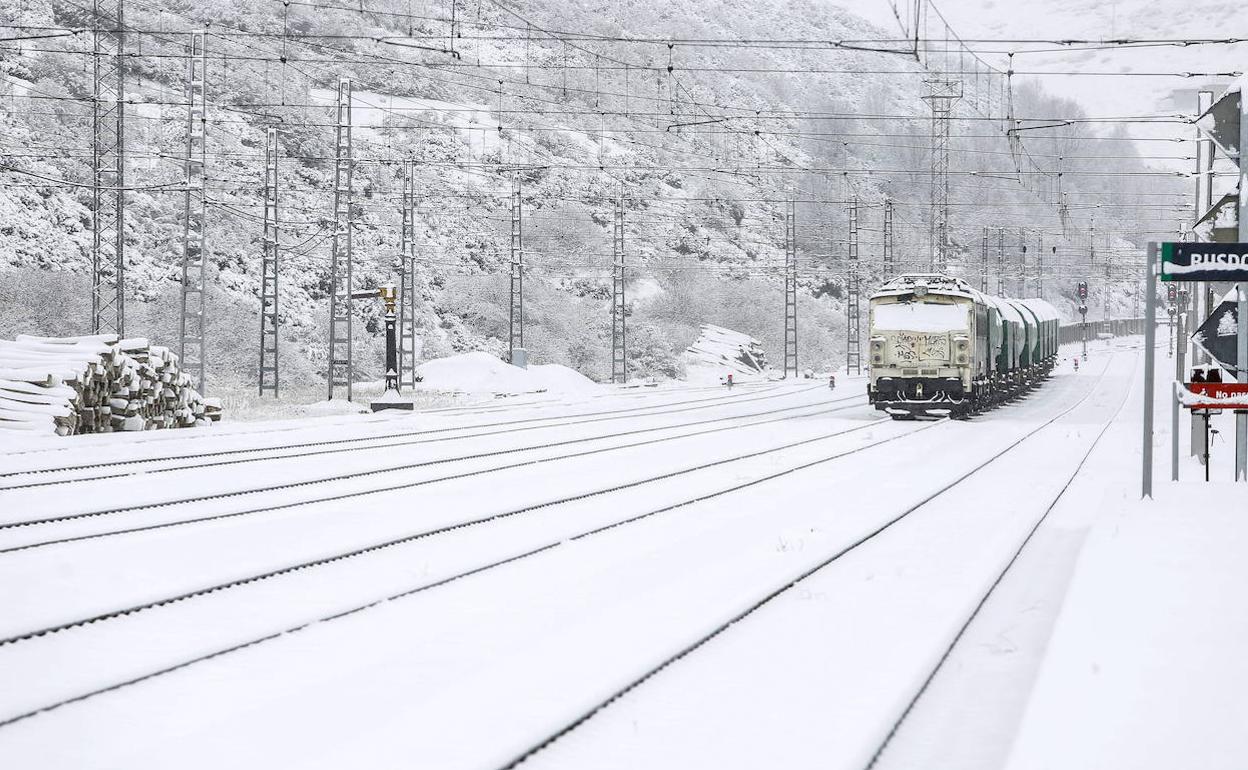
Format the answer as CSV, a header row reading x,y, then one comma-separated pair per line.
x,y
1191,261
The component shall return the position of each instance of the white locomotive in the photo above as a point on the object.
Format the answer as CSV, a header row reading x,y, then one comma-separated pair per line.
x,y
939,347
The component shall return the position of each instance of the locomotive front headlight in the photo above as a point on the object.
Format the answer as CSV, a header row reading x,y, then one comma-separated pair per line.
x,y
962,347
877,350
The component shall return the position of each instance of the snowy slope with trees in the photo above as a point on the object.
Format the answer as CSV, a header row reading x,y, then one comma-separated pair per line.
x,y
702,228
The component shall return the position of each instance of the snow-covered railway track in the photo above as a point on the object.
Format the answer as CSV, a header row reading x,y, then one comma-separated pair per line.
x,y
59,446
791,582
588,522
25,478
24,541
1068,479
649,479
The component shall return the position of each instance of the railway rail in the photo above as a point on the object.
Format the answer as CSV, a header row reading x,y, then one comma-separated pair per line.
x,y
658,409
156,437
992,587
819,407
787,586
630,519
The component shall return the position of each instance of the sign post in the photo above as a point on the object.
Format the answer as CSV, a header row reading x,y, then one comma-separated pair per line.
x,y
1150,340
1219,395
1178,315
1241,364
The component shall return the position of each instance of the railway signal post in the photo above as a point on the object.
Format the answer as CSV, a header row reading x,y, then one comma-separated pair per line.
x,y
390,397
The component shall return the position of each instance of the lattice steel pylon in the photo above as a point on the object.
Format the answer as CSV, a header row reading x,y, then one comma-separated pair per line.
x,y
192,340
108,164
1039,263
853,346
341,362
941,96
890,263
619,334
270,268
1000,261
983,264
1022,263
790,288
515,311
407,280
1109,278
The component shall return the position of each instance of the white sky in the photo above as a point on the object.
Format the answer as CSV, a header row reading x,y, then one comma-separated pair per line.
x,y
1103,19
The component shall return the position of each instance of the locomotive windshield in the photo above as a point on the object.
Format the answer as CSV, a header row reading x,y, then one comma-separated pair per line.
x,y
918,317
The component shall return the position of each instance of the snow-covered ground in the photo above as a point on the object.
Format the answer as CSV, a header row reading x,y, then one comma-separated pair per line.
x,y
674,577
485,373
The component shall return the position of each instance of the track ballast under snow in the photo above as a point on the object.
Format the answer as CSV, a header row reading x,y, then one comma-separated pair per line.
x,y
667,579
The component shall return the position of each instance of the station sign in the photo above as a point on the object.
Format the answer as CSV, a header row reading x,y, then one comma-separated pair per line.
x,y
1194,261
1229,395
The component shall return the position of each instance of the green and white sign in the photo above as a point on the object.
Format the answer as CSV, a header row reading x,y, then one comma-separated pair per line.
x,y
1191,261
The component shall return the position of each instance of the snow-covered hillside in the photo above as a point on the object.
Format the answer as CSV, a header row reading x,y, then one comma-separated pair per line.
x,y
704,232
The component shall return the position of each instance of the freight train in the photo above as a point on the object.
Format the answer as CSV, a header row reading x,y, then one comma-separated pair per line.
x,y
940,348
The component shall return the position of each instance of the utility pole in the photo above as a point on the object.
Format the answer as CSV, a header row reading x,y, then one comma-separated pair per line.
x,y
269,270
853,347
406,356
790,288
890,265
516,353
341,362
619,337
983,264
192,343
941,95
108,164
1000,261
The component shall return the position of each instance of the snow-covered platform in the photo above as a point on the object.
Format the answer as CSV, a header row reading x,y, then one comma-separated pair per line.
x,y
1147,665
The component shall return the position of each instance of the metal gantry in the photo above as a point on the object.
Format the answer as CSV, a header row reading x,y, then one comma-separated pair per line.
x,y
108,164
941,95
619,335
192,340
407,280
853,345
515,314
889,258
341,364
270,267
790,288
